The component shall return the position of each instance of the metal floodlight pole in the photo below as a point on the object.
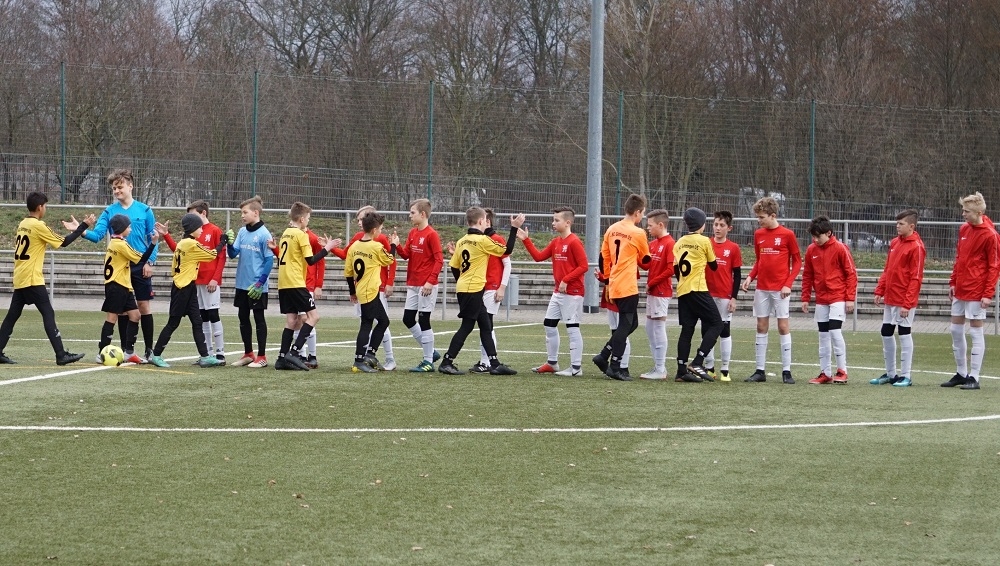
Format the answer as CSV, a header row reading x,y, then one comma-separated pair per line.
x,y
430,140
253,149
812,159
621,127
595,116
62,132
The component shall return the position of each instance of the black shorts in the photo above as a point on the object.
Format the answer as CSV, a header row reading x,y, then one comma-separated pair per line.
x,y
118,299
629,304
181,299
695,306
373,310
470,304
243,301
34,295
296,300
142,287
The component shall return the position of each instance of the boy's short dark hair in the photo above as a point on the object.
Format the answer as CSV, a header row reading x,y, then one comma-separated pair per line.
x,y
371,221
725,216
489,215
634,203
35,199
659,215
120,175
909,216
567,213
200,206
253,203
474,215
298,210
820,225
365,210
423,205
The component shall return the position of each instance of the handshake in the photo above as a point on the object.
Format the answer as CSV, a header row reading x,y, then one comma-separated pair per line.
x,y
228,237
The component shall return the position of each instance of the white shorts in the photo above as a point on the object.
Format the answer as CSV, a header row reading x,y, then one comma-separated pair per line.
x,y
567,308
891,315
657,307
836,311
723,306
971,310
613,319
490,301
417,302
209,300
357,306
770,303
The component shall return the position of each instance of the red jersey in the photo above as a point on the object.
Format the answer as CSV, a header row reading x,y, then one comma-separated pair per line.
x,y
661,267
388,273
494,266
569,261
778,258
977,261
830,271
899,284
728,259
210,237
423,252
316,271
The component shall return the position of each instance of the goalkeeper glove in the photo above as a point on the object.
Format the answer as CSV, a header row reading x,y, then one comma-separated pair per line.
x,y
230,236
256,292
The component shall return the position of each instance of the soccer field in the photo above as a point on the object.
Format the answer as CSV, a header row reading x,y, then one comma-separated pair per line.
x,y
233,465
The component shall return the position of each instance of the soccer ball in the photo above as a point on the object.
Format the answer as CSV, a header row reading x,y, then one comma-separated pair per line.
x,y
112,355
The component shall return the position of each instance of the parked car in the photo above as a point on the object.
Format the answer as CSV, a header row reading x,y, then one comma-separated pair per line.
x,y
864,242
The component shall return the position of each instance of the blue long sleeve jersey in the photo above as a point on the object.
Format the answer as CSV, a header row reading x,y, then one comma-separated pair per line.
x,y
143,224
256,259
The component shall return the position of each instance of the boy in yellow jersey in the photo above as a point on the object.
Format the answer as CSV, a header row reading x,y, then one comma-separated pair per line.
x,y
33,237
693,252
624,249
468,266
184,292
119,296
294,256
363,269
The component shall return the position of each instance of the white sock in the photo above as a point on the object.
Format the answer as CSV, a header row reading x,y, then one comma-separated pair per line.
x,y
726,346
760,349
627,354
905,354
660,342
311,342
824,353
416,333
889,353
710,358
220,343
552,343
839,347
786,352
206,329
483,357
978,351
958,347
387,346
575,346
427,343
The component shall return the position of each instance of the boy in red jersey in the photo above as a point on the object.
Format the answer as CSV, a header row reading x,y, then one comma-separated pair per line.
x,y
569,264
971,288
830,270
724,286
388,276
208,281
624,249
659,289
778,263
425,258
898,289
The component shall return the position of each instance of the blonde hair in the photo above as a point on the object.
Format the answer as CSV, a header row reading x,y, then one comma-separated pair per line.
x,y
253,203
766,205
423,205
298,210
974,202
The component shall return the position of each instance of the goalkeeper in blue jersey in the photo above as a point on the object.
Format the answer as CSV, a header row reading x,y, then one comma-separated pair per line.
x,y
252,272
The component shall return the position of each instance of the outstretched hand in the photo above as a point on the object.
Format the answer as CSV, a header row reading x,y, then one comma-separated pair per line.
x,y
162,228
72,224
451,248
516,220
522,234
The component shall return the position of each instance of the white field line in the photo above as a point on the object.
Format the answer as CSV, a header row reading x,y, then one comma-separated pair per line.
x,y
497,430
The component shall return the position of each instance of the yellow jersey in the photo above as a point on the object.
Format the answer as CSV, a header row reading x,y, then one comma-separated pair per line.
x,y
363,264
187,256
293,249
33,237
692,254
472,254
118,262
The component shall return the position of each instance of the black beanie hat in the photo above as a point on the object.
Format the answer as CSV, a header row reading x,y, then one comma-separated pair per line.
x,y
694,218
191,222
119,223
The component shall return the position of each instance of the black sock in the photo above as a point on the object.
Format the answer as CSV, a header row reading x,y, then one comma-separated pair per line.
x,y
107,335
146,321
286,341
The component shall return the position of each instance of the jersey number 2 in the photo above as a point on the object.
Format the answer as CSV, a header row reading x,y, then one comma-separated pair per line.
x,y
21,243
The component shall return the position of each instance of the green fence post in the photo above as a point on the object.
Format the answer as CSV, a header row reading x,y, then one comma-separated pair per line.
x,y
62,132
621,126
812,158
430,140
253,149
